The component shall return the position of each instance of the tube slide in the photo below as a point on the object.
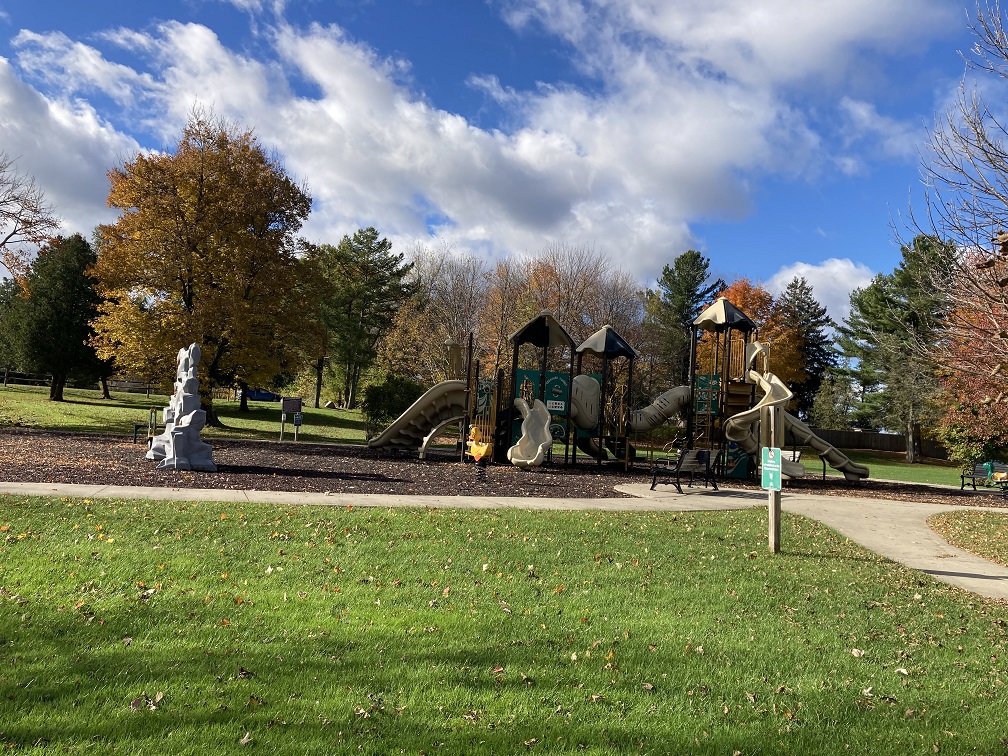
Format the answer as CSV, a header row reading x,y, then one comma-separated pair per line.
x,y
666,406
833,456
440,405
586,405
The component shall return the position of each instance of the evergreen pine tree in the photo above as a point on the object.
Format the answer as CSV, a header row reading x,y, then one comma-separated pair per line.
x,y
803,313
683,292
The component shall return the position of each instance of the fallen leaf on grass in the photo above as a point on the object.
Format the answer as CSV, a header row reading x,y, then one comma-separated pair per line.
x,y
857,652
151,703
245,740
648,687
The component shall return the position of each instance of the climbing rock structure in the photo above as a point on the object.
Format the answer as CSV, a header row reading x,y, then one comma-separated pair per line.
x,y
180,447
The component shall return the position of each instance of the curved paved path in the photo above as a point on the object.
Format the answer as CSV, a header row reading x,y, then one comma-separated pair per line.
x,y
895,529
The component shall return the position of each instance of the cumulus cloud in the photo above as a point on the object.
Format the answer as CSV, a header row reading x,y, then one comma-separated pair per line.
x,y
692,103
832,282
67,147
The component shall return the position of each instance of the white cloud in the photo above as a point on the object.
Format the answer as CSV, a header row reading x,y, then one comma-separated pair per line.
x,y
73,67
861,121
66,147
692,103
832,282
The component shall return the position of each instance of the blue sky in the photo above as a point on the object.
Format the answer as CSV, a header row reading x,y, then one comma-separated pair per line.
x,y
778,138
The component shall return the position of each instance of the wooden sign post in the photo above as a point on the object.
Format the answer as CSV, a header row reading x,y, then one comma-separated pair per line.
x,y
771,430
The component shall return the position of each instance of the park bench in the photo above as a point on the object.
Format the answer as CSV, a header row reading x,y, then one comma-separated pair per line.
x,y
992,473
151,426
691,462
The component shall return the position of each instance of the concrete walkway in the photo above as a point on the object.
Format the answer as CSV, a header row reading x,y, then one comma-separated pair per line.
x,y
895,529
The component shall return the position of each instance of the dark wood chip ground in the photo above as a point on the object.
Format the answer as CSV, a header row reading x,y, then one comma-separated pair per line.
x,y
44,457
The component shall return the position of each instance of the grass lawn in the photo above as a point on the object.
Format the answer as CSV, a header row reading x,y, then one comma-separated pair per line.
x,y
84,411
982,533
155,627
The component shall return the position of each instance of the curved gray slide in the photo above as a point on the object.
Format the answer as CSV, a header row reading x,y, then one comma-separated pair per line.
x,y
440,405
743,430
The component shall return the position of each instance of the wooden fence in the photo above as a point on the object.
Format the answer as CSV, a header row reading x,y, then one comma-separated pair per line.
x,y
26,379
884,442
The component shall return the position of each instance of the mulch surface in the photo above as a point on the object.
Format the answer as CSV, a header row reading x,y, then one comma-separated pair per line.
x,y
45,457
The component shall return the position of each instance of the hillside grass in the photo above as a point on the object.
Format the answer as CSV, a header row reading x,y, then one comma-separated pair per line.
x,y
84,411
153,627
891,466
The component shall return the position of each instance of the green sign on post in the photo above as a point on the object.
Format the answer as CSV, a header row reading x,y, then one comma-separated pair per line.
x,y
771,468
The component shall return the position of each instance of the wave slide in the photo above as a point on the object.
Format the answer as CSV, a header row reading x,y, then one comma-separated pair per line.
x,y
743,428
415,428
536,439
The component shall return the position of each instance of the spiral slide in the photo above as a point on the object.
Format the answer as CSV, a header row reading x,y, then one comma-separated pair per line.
x,y
833,456
743,428
440,405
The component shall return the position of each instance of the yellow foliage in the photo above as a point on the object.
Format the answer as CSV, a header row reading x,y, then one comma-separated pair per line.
x,y
204,250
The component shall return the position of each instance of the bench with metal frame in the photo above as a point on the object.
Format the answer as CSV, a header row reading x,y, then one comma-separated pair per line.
x,y
691,462
992,473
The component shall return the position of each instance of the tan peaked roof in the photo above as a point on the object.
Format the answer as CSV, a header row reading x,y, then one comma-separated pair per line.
x,y
723,315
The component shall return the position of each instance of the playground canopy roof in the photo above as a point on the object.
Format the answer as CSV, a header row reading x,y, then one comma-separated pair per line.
x,y
723,315
606,342
542,331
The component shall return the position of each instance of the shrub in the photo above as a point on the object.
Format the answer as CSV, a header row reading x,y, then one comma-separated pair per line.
x,y
967,445
385,401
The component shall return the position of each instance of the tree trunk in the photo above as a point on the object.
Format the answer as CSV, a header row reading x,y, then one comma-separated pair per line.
x,y
104,388
912,442
351,399
243,391
318,381
56,388
206,404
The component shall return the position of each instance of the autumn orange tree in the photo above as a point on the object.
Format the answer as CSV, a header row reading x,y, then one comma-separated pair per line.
x,y
971,358
204,250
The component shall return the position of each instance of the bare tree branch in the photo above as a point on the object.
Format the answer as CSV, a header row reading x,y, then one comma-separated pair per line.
x,y
25,217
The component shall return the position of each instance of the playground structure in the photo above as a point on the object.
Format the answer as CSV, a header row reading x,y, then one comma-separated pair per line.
x,y
729,396
743,428
524,420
